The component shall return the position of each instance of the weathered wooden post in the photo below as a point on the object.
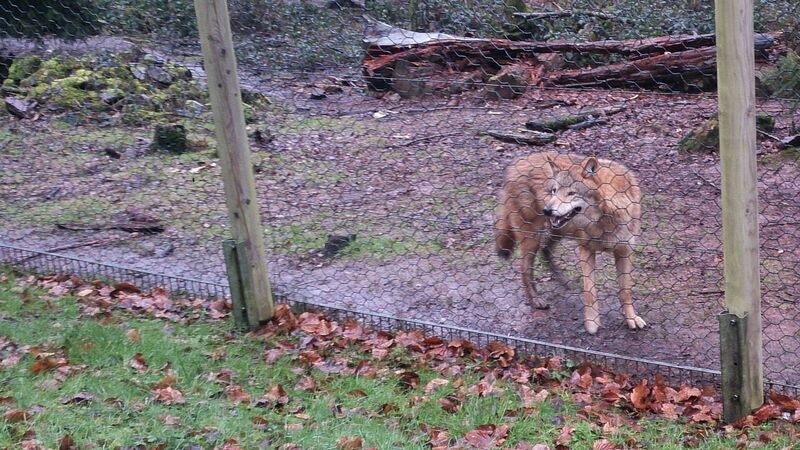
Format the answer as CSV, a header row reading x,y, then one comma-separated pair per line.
x,y
740,326
214,27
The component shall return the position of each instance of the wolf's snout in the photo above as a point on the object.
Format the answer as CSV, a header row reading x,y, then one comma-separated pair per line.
x,y
548,211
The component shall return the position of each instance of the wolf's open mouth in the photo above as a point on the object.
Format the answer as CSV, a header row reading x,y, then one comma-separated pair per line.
x,y
559,221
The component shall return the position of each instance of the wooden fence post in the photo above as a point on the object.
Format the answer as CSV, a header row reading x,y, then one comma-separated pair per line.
x,y
737,132
219,61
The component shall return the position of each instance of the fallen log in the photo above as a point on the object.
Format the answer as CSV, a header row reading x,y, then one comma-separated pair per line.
x,y
573,120
131,227
424,62
791,141
522,136
384,39
690,68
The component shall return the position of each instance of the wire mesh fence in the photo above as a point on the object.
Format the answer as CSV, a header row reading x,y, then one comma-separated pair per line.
x,y
382,132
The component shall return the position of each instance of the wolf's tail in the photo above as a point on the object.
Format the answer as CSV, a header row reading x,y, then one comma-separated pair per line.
x,y
503,241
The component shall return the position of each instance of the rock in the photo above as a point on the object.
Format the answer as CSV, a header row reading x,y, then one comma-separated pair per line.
x,y
159,75
22,68
164,250
706,136
253,97
336,244
765,122
262,135
318,94
139,71
170,137
112,95
179,72
194,108
154,58
21,108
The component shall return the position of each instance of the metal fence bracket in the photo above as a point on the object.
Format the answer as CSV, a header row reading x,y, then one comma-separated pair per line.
x,y
232,251
733,345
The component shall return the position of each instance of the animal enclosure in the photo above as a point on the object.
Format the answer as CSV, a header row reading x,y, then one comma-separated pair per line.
x,y
381,132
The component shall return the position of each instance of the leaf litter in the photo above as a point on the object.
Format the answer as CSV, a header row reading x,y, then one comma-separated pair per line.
x,y
607,400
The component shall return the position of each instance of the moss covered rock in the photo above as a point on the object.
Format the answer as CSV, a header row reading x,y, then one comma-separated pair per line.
x,y
171,138
22,68
706,136
132,87
96,86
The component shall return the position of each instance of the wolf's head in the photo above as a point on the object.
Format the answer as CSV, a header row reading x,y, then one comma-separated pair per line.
x,y
570,195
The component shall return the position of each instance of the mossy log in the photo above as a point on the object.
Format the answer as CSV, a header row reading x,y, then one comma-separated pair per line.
x,y
522,136
566,121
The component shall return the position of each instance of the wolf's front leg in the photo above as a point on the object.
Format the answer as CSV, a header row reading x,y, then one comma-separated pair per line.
x,y
591,312
529,247
624,262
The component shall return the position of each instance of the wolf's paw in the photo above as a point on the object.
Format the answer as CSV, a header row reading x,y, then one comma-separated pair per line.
x,y
636,323
591,325
540,304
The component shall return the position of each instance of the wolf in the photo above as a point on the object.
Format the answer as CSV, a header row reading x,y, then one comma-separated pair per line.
x,y
548,196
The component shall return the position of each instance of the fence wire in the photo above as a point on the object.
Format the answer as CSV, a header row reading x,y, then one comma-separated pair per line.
x,y
382,131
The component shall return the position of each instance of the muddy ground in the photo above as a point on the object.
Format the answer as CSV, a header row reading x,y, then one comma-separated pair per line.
x,y
416,182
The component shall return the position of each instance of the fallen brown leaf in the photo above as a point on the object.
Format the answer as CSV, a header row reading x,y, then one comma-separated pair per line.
x,y
16,415
604,444
66,443
138,363
784,402
78,399
133,335
166,381
307,384
408,380
565,436
47,363
487,436
236,394
450,404
169,396
435,384
639,395
438,437
349,443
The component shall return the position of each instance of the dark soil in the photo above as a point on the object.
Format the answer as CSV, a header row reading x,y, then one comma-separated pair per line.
x,y
416,182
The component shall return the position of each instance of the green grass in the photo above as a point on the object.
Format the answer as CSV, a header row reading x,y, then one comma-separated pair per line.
x,y
378,408
103,138
320,124
73,209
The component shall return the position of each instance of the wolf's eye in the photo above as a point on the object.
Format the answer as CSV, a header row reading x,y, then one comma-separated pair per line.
x,y
553,191
571,193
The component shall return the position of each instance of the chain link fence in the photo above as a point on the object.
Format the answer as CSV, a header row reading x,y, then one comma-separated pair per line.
x,y
382,132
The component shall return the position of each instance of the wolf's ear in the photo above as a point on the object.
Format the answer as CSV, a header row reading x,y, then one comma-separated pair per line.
x,y
552,164
590,166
